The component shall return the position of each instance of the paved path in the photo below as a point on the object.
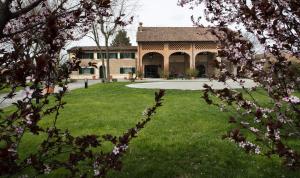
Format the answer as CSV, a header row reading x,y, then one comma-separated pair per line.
x,y
21,94
191,84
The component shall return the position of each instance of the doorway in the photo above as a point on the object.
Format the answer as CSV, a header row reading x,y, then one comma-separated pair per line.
x,y
151,71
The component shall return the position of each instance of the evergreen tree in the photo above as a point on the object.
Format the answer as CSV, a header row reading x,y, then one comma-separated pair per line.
x,y
121,39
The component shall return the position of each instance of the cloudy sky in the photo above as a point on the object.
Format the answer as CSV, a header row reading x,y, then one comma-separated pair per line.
x,y
154,13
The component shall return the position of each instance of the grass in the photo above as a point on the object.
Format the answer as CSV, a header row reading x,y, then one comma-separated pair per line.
x,y
183,140
7,90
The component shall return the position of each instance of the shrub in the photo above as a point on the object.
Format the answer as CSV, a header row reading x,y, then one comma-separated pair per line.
x,y
191,73
164,74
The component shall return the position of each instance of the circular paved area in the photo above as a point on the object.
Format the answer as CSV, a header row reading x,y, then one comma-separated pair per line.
x,y
192,84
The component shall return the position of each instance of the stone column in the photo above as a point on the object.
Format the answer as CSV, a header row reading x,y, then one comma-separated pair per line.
x,y
166,64
166,58
139,65
193,57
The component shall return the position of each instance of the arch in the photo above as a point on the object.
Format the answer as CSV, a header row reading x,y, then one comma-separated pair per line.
x,y
204,63
179,63
143,54
152,64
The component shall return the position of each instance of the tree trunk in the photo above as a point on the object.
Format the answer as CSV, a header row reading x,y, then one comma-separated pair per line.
x,y
107,57
103,68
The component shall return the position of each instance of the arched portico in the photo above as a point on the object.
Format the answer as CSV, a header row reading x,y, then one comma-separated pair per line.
x,y
179,63
152,64
204,63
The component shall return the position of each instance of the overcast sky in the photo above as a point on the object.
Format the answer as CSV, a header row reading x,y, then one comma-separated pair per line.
x,y
154,13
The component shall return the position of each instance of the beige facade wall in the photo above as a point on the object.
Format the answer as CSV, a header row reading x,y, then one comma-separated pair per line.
x,y
115,65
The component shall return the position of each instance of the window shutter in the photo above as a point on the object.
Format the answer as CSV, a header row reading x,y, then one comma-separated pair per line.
x,y
80,70
133,55
121,55
133,70
92,70
91,55
121,70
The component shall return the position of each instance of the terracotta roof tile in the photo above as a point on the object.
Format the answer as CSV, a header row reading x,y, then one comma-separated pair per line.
x,y
165,34
95,48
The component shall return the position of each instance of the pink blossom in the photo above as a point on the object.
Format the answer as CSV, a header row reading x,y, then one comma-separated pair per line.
x,y
292,99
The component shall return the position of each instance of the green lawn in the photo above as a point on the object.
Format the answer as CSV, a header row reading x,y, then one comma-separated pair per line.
x,y
7,90
183,140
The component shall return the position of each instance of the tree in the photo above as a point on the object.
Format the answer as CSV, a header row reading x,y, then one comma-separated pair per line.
x,y
121,39
117,15
32,34
261,128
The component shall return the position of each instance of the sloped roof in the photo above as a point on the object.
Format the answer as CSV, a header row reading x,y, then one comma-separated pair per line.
x,y
95,48
169,34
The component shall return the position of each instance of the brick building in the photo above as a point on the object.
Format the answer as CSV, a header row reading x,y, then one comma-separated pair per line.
x,y
168,50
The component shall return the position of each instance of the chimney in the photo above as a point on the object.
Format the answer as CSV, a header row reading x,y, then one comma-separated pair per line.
x,y
140,26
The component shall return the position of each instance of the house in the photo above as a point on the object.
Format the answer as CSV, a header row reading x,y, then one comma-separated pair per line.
x,y
160,51
122,62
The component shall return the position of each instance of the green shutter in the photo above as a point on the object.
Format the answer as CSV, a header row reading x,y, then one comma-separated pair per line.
x,y
132,55
92,70
133,70
80,70
100,55
91,55
121,55
121,70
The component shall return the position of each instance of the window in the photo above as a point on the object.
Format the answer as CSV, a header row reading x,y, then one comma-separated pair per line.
x,y
100,55
87,56
85,71
111,55
127,55
127,70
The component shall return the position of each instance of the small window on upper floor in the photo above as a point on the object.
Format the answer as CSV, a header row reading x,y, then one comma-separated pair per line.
x,y
127,55
87,56
111,55
101,55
